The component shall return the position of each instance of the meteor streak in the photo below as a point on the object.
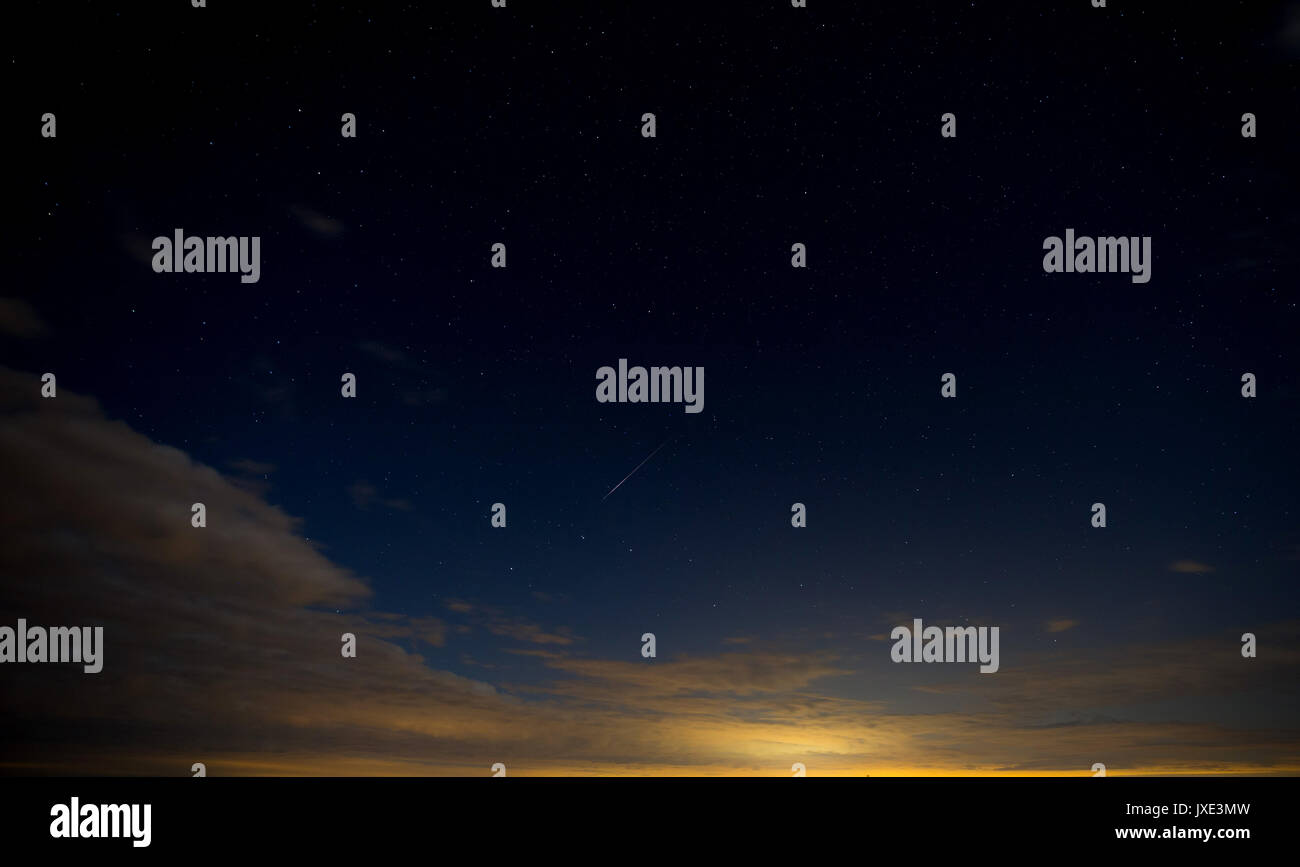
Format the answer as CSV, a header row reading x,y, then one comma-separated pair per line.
x,y
638,466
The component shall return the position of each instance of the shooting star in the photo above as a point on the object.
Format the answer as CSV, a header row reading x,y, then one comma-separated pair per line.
x,y
638,466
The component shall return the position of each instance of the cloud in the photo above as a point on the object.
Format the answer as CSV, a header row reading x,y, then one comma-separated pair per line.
x,y
138,247
532,651
386,353
364,495
20,319
729,674
1133,673
1060,624
325,227
418,393
1190,566
430,630
523,630
514,628
252,467
222,641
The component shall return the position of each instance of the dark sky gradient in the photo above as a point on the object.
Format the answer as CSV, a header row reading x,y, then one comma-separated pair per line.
x,y
775,126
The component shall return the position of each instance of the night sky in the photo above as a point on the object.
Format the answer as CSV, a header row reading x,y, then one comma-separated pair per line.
x,y
476,385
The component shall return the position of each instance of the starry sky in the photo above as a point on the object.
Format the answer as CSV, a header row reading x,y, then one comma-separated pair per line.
x,y
476,385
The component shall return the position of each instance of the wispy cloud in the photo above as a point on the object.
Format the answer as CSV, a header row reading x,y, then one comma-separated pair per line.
x,y
386,353
416,390
498,623
252,467
1191,566
316,222
364,495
